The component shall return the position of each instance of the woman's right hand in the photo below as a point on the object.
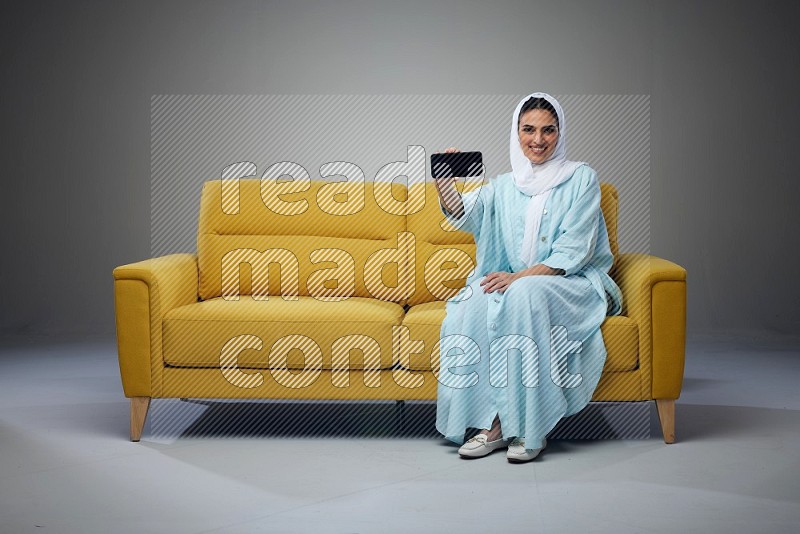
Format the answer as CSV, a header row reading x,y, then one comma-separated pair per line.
x,y
448,194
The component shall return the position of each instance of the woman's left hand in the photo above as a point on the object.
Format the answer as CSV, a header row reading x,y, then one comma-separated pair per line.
x,y
498,281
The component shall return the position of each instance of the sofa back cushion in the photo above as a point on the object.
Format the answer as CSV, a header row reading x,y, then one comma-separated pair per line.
x,y
268,239
335,240
444,258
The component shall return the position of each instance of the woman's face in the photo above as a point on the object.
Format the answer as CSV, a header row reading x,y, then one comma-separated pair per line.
x,y
538,135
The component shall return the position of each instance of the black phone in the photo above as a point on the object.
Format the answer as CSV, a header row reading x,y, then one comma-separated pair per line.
x,y
456,164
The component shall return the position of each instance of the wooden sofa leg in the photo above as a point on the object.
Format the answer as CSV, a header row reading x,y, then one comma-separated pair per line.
x,y
139,406
666,415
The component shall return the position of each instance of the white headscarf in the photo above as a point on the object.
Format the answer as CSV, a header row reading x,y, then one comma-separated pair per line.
x,y
536,178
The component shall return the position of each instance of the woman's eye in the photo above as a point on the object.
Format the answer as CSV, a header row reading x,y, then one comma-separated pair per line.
x,y
549,130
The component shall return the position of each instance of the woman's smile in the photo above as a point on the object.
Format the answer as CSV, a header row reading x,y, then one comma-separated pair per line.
x,y
538,150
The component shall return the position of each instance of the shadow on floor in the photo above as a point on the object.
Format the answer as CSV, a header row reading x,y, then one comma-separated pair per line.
x,y
171,419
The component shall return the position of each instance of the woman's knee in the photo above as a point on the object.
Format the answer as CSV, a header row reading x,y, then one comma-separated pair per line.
x,y
530,288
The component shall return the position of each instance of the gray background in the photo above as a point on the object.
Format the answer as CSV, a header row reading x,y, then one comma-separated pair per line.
x,y
78,79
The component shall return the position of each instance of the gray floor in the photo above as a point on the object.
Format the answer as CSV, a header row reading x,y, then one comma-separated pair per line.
x,y
66,464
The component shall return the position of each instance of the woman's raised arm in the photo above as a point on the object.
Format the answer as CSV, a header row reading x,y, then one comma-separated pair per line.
x,y
449,197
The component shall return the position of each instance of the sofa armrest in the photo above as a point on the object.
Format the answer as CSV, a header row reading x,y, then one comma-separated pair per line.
x,y
143,293
654,295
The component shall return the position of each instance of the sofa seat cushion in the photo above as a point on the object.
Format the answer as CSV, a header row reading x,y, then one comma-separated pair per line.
x,y
620,335
195,334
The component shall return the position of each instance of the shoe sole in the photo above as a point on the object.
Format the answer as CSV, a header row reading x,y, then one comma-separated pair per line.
x,y
520,460
470,457
478,456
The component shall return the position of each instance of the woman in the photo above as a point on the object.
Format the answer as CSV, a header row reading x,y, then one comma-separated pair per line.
x,y
525,331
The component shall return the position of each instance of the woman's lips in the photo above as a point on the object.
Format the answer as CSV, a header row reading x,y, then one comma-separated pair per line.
x,y
536,150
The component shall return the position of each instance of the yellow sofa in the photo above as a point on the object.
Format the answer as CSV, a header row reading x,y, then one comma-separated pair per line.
x,y
315,290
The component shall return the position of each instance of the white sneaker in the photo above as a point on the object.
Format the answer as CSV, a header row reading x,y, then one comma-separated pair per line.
x,y
517,453
480,446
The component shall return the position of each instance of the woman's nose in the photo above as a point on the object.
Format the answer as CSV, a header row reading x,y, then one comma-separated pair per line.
x,y
537,138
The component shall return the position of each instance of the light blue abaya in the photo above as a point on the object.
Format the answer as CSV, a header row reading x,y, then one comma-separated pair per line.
x,y
532,354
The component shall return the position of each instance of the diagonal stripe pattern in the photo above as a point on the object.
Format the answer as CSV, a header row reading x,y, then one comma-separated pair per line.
x,y
196,138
